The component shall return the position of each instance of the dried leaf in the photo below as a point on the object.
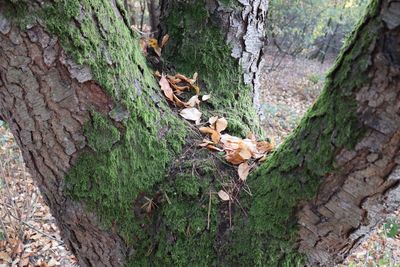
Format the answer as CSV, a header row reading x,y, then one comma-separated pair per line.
x,y
154,44
164,40
205,143
205,97
5,257
193,101
212,121
264,147
196,88
173,79
178,102
234,157
221,124
223,195
195,76
184,78
215,137
251,136
191,114
157,74
243,171
166,88
206,130
143,46
212,147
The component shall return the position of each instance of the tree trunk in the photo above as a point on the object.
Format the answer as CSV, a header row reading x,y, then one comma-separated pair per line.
x,y
120,170
153,14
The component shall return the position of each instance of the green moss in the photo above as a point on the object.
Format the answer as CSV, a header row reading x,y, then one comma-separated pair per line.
x,y
197,45
293,172
117,182
100,133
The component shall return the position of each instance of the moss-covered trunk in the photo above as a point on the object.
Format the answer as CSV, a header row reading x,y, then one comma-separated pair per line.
x,y
121,171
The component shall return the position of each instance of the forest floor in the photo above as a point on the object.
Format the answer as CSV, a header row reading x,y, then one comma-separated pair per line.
x,y
28,232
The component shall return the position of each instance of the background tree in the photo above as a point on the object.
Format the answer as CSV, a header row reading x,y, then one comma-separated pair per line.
x,y
102,142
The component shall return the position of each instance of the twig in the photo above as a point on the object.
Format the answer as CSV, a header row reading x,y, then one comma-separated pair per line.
x,y
39,231
209,211
133,27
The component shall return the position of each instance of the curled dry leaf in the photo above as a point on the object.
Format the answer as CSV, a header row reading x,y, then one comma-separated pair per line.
x,y
224,196
205,97
191,114
193,101
215,136
243,171
234,157
164,40
212,121
178,102
205,143
251,136
166,88
195,76
154,44
264,147
221,124
212,147
206,130
157,74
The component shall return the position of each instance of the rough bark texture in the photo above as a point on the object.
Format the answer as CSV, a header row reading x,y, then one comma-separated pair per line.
x,y
101,141
45,97
243,25
351,201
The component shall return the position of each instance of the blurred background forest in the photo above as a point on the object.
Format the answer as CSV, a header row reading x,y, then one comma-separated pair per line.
x,y
303,39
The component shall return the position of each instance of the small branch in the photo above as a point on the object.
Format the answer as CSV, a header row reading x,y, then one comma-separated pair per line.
x,y
209,211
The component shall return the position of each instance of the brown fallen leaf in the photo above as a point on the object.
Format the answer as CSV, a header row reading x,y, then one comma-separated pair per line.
x,y
223,195
154,44
221,124
234,157
215,136
212,121
243,171
193,101
157,74
5,257
205,143
264,147
173,79
166,88
164,40
191,114
212,147
178,102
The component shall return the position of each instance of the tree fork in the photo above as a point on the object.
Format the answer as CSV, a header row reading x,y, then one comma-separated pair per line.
x,y
102,143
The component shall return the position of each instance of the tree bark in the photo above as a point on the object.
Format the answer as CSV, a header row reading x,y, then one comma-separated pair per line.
x,y
120,170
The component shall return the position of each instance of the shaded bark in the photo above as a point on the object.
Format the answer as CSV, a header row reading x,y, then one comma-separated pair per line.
x,y
45,98
100,139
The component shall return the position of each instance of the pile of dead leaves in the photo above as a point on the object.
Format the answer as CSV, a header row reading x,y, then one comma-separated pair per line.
x,y
174,86
245,153
237,151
